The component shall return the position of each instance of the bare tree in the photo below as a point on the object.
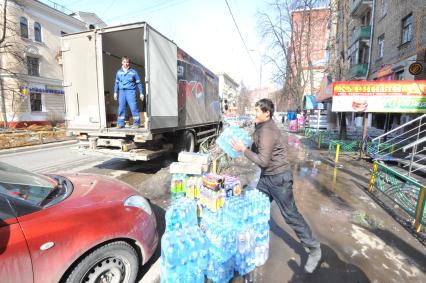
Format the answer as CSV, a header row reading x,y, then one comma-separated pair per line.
x,y
243,100
12,58
288,28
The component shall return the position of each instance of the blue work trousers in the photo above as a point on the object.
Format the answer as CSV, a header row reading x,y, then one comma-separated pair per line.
x,y
279,187
129,96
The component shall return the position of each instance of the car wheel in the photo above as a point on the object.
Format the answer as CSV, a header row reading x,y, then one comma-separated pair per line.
x,y
115,262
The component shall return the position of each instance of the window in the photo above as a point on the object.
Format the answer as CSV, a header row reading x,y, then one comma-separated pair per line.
x,y
24,27
384,7
33,66
35,98
37,32
381,46
407,28
399,75
366,19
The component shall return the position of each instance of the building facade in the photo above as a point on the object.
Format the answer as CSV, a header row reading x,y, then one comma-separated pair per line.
x,y
307,48
31,77
91,19
377,40
228,90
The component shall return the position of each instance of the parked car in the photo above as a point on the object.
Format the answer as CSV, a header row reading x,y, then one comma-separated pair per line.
x,y
72,228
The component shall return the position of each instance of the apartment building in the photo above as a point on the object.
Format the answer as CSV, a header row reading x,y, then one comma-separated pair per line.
x,y
377,40
228,91
399,39
308,47
31,89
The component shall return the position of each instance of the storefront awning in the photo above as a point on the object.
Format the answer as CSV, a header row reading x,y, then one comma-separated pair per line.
x,y
326,89
310,102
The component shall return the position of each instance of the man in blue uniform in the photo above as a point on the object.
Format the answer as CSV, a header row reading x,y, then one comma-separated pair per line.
x,y
126,81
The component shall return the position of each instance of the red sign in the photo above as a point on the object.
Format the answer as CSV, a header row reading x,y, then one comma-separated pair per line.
x,y
380,96
375,88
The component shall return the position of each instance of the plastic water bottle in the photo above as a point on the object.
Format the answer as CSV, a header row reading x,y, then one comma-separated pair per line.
x,y
230,133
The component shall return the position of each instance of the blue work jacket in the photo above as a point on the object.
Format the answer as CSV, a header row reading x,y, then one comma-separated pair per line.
x,y
127,80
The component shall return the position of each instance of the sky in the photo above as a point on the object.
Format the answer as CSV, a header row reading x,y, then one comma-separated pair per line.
x,y
203,28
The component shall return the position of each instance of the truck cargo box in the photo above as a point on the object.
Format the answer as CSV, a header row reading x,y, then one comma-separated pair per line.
x,y
181,95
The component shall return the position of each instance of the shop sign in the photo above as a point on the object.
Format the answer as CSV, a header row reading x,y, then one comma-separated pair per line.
x,y
385,72
380,96
24,91
415,68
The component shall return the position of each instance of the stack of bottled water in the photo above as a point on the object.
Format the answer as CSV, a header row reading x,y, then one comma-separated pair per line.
x,y
261,208
233,133
221,237
181,214
245,256
238,212
184,249
233,238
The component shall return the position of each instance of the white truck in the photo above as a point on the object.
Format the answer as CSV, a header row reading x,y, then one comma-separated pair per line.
x,y
181,96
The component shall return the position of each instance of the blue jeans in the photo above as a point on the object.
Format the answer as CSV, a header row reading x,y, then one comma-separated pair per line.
x,y
128,96
280,188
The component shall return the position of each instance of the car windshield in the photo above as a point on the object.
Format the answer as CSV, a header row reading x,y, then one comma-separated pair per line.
x,y
25,185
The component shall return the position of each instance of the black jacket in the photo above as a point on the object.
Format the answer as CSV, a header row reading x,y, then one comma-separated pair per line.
x,y
269,150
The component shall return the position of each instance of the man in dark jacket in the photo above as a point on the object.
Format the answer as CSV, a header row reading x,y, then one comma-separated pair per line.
x,y
269,152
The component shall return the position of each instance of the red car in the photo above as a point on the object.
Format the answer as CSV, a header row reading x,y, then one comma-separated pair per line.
x,y
72,228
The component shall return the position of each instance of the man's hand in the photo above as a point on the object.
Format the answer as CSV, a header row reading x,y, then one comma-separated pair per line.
x,y
238,146
115,96
141,97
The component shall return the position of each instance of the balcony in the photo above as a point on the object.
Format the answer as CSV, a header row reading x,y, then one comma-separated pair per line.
x,y
358,71
361,33
359,7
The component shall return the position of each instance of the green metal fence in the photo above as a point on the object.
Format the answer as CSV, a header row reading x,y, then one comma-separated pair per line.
x,y
345,146
404,191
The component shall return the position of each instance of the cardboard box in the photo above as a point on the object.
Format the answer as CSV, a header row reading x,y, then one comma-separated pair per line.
x,y
193,157
187,168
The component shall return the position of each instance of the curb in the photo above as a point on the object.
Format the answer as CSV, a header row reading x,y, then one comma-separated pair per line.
x,y
153,274
39,146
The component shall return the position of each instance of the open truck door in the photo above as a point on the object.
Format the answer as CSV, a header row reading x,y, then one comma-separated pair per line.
x,y
162,81
81,76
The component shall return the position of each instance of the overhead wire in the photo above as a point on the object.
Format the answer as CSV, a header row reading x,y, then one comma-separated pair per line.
x,y
239,32
108,7
152,9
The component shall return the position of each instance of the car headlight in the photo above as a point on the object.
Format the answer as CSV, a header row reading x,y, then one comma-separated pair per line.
x,y
139,202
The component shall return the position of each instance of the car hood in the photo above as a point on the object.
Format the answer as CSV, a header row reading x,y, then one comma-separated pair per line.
x,y
97,189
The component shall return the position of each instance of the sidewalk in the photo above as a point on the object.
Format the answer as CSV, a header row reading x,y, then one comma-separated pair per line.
x,y
18,140
64,142
361,241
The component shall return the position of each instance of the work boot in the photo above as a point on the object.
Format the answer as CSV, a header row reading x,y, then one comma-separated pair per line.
x,y
314,259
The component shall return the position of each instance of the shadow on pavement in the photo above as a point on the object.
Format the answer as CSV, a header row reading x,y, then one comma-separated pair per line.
x,y
147,167
415,257
397,215
332,269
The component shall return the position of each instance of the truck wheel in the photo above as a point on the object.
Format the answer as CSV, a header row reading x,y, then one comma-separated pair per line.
x,y
114,262
188,141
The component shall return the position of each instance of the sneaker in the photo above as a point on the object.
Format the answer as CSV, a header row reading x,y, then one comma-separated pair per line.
x,y
314,259
135,126
120,127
